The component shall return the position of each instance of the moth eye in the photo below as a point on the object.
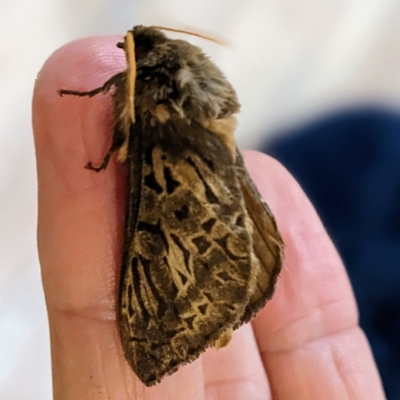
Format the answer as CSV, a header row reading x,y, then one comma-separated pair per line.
x,y
142,51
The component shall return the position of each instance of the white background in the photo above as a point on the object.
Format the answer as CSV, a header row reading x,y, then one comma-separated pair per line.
x,y
289,60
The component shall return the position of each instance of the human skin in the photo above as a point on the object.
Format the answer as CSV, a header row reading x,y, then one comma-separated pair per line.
x,y
306,342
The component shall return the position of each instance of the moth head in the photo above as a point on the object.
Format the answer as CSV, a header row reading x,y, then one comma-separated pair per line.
x,y
146,39
178,78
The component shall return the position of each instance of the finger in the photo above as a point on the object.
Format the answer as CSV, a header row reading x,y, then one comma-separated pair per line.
x,y
236,372
308,334
80,231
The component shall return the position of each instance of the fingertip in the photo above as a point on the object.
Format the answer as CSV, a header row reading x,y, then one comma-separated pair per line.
x,y
79,210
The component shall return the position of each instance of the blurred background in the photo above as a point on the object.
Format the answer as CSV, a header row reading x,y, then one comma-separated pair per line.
x,y
319,83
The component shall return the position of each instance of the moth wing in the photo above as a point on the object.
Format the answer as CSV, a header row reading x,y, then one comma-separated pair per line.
x,y
266,241
188,270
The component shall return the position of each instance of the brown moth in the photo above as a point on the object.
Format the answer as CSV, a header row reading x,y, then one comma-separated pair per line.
x,y
202,252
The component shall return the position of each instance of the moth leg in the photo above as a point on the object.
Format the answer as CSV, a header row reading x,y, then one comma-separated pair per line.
x,y
102,89
117,142
118,138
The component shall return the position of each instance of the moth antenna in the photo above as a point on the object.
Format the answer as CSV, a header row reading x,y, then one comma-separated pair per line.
x,y
129,46
200,35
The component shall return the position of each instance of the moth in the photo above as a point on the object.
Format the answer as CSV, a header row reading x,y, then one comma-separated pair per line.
x,y
202,252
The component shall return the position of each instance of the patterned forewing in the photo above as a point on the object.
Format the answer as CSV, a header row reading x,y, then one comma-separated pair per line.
x,y
187,274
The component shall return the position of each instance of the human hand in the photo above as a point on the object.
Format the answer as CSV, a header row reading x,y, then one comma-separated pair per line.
x,y
305,344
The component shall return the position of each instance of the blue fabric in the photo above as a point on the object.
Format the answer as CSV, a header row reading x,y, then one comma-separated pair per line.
x,y
349,166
